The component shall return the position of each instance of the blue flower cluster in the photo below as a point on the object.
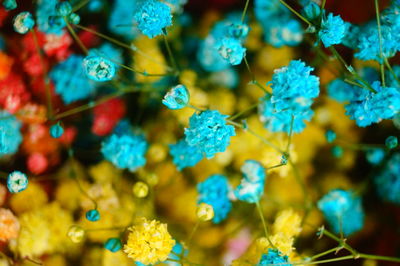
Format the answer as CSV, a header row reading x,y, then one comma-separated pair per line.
x,y
10,135
274,257
152,17
332,31
10,4
208,132
251,187
125,149
214,191
99,68
280,27
184,155
23,22
293,90
224,45
47,18
387,181
367,107
70,80
343,211
121,18
176,98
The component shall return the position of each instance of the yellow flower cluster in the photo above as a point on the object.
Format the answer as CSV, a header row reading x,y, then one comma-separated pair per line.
x,y
148,242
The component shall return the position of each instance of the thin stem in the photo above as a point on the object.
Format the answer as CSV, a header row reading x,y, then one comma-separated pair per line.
x,y
275,166
324,253
323,4
296,13
233,117
264,224
341,242
195,108
45,78
378,21
76,38
171,56
124,45
196,226
353,83
290,135
80,5
377,257
391,70
245,10
253,77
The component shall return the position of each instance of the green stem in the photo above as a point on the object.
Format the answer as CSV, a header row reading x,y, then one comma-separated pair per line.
x,y
391,70
195,108
275,166
45,78
296,13
253,77
290,135
341,242
324,253
353,83
378,21
76,38
171,56
323,4
80,5
245,10
233,117
264,224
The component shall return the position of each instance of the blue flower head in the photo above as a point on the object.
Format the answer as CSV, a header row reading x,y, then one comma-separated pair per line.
x,y
10,135
23,22
108,50
175,254
332,31
231,50
387,181
209,57
152,17
209,132
281,121
367,107
56,130
214,191
99,68
10,4
70,80
251,187
17,182
293,87
330,136
176,98
125,151
274,257
375,156
184,155
113,244
93,215
238,30
282,31
311,10
391,142
121,18
343,211
266,9
47,19
63,8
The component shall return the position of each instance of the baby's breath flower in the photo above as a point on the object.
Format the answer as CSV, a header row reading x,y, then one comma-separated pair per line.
x,y
17,182
148,242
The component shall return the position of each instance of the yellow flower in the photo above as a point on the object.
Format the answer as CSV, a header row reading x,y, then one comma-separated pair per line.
x,y
104,172
287,222
148,242
34,194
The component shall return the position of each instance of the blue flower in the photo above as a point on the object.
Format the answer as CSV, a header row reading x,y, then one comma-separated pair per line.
x,y
70,80
274,257
125,151
63,8
56,130
23,22
251,187
152,17
176,98
10,135
387,181
176,251
121,18
391,142
340,90
10,4
231,50
184,155
332,31
238,30
108,50
330,136
375,156
293,87
209,132
227,78
99,68
17,182
367,107
113,244
209,58
214,191
46,9
311,10
282,31
343,211
351,37
281,121
265,9
93,215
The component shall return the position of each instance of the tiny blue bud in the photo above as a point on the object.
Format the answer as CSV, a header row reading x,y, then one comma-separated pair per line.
x,y
63,8
391,142
113,244
312,11
93,215
337,151
330,136
98,68
17,182
284,159
9,4
56,22
74,18
238,30
56,131
23,22
375,156
176,98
